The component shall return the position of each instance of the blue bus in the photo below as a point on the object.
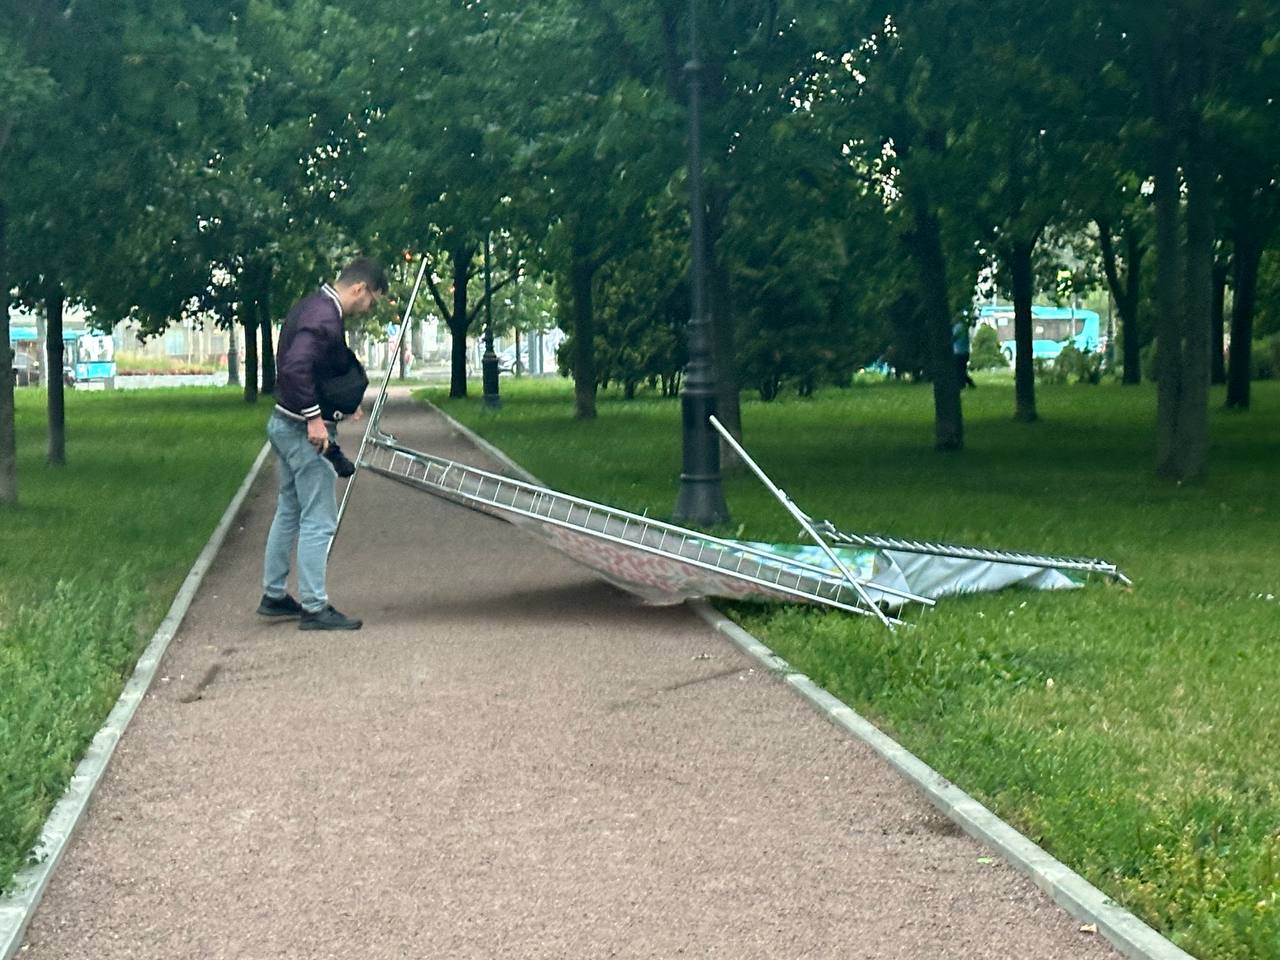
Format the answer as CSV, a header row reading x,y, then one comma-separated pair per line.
x,y
1052,328
87,356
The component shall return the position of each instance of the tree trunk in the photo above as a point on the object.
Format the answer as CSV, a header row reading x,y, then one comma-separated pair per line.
x,y
924,243
248,314
1126,294
458,362
1193,414
1169,311
1129,312
1024,371
582,272
1247,253
268,357
53,303
458,322
8,436
1217,333
418,342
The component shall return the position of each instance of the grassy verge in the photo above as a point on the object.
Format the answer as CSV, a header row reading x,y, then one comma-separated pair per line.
x,y
90,561
1133,733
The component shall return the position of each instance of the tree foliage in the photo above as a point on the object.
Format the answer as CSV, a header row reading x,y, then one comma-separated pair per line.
x,y
865,161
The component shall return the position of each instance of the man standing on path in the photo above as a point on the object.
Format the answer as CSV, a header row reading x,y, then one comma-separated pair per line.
x,y
312,350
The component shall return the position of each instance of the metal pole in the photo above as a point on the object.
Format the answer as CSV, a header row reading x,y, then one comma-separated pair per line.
x,y
803,519
489,365
1111,333
375,415
233,358
701,499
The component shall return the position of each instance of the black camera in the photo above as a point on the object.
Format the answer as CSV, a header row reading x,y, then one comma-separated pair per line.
x,y
333,453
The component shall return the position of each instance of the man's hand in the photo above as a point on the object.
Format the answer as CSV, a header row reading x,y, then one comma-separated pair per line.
x,y
318,434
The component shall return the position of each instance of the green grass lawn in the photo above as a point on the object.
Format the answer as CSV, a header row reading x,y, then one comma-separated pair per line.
x,y
1133,733
90,560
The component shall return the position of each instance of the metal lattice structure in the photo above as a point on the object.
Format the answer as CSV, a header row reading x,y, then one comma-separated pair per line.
x,y
573,518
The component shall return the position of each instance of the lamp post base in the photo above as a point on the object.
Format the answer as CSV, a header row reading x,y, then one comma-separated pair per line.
x,y
489,378
701,499
701,504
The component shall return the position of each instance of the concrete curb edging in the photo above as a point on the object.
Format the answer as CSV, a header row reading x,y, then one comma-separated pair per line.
x,y
17,909
1068,889
520,472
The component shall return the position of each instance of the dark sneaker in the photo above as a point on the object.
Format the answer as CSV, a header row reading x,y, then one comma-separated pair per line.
x,y
279,607
328,619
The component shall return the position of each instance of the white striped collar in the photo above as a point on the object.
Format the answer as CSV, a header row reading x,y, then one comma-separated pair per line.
x,y
333,295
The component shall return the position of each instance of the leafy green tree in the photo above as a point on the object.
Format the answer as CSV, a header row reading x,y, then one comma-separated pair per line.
x,y
276,196
119,74
1248,161
25,86
437,161
1180,60
1122,264
1030,145
1177,71
590,165
811,256
643,307
892,100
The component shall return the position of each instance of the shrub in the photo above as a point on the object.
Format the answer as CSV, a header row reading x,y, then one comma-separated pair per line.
x,y
1078,365
986,353
1264,358
1048,372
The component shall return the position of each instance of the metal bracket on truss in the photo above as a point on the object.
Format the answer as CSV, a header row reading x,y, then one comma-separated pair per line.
x,y
799,514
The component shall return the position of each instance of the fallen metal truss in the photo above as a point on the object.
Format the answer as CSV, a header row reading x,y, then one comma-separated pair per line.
x,y
635,551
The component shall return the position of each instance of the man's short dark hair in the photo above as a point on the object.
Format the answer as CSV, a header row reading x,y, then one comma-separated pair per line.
x,y
366,270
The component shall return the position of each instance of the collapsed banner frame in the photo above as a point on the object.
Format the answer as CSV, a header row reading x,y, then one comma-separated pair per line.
x,y
864,574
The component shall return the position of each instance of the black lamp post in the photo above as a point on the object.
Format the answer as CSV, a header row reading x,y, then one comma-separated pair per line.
x,y
701,501
233,358
489,365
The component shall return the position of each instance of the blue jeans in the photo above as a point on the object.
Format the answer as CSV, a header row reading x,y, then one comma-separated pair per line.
x,y
306,514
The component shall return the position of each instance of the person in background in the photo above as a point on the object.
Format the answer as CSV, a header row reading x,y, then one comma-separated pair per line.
x,y
960,348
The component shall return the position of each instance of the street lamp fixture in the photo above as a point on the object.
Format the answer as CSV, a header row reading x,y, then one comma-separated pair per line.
x,y
489,365
701,500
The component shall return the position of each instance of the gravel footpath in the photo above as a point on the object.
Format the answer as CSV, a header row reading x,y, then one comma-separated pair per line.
x,y
512,759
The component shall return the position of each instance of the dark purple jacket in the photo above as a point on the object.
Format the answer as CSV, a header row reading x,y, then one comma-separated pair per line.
x,y
312,347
